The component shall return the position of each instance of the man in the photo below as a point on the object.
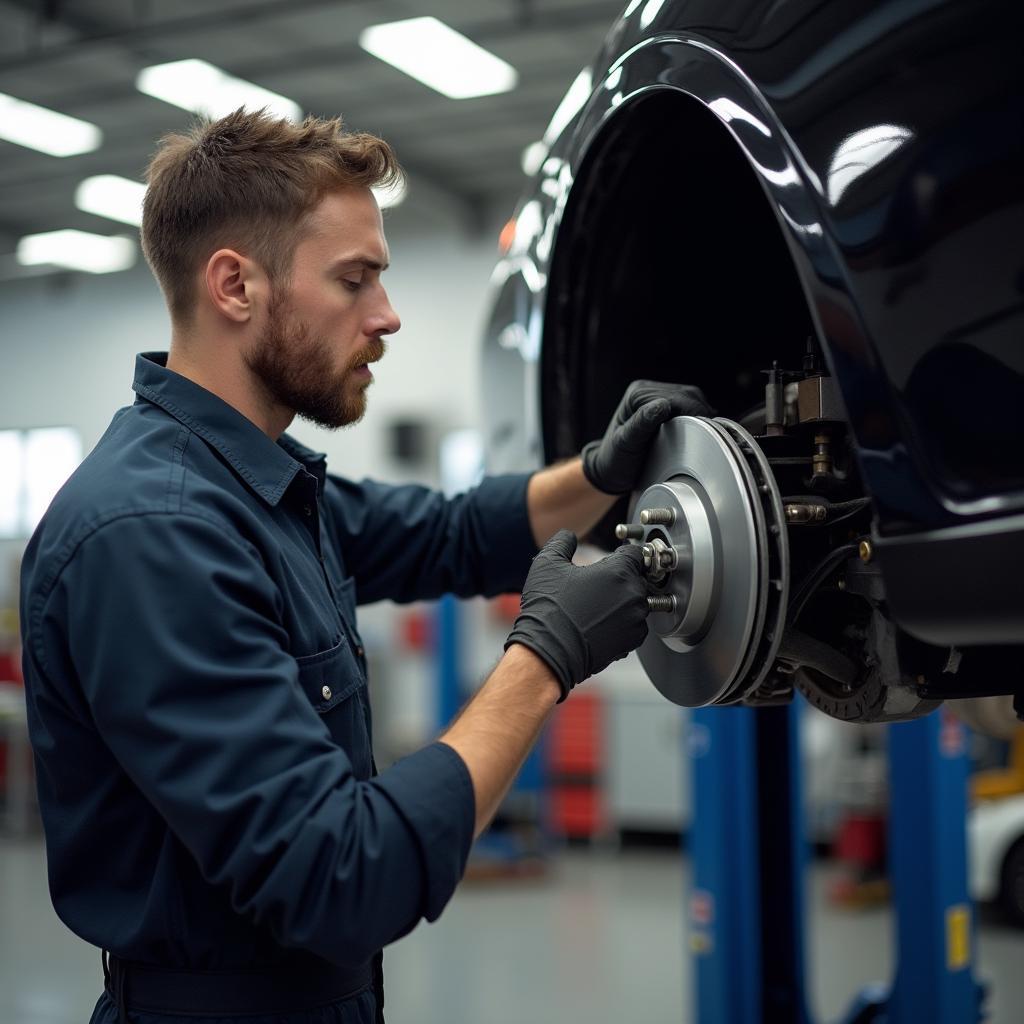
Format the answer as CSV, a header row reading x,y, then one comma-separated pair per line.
x,y
195,677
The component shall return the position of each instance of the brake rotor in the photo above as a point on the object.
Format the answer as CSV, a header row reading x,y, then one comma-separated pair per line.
x,y
709,498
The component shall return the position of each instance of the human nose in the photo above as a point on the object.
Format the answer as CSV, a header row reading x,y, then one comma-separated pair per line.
x,y
385,319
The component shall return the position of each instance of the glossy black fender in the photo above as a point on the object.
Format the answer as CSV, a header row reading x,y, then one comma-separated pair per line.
x,y
888,142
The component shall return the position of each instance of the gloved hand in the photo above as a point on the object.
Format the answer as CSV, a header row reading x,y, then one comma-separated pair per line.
x,y
613,464
581,618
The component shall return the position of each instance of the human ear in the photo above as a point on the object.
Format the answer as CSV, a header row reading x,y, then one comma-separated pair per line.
x,y
229,284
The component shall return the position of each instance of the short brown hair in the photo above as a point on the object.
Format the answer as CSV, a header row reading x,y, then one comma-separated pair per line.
x,y
246,181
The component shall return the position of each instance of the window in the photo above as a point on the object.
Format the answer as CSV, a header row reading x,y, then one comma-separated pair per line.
x,y
33,466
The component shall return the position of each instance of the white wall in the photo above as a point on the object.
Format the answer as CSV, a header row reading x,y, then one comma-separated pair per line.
x,y
67,346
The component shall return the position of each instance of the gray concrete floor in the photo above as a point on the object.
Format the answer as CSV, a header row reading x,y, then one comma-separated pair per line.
x,y
600,939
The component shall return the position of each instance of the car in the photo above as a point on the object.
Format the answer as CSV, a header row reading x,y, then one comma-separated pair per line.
x,y
995,820
813,212
995,834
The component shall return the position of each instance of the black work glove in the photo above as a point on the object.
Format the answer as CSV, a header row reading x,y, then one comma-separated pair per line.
x,y
614,463
581,618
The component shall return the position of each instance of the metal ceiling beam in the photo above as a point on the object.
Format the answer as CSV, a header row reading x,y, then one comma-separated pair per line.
x,y
466,208
95,35
481,32
56,12
80,99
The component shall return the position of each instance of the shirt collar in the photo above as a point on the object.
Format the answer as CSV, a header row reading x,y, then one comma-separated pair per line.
x,y
267,467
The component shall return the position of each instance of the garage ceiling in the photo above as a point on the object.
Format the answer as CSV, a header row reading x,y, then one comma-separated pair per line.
x,y
80,57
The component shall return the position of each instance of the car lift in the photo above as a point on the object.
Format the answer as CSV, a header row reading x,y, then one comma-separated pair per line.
x,y
749,853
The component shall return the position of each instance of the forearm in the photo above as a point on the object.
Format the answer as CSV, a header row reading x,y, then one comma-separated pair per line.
x,y
561,497
499,727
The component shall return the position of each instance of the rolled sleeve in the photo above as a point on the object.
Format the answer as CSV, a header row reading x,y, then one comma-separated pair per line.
x,y
411,543
433,792
176,640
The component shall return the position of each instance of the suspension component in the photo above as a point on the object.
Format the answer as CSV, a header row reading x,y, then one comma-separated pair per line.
x,y
805,512
821,460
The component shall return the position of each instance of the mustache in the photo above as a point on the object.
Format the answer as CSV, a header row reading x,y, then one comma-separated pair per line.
x,y
374,351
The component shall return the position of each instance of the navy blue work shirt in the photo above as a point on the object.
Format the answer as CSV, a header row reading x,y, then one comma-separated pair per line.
x,y
197,697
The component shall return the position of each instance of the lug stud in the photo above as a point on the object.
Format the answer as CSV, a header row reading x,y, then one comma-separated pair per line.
x,y
629,531
657,516
661,603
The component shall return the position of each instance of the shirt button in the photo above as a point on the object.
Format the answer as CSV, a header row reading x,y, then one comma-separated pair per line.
x,y
307,510
326,691
359,651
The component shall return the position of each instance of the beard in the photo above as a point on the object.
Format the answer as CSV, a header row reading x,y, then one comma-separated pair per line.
x,y
296,368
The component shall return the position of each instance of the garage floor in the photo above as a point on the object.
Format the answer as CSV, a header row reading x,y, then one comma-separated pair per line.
x,y
598,940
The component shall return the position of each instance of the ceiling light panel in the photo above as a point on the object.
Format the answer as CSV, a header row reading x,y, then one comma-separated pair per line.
x,y
111,196
77,250
436,55
46,130
205,89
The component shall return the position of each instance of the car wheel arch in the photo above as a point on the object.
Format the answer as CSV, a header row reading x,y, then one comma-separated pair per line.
x,y
693,93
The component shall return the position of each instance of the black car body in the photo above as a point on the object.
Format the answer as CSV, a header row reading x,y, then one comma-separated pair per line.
x,y
731,178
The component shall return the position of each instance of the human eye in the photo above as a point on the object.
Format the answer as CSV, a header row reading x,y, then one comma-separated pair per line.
x,y
353,284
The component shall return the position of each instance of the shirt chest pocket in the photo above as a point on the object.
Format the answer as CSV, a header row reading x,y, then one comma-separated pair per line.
x,y
335,685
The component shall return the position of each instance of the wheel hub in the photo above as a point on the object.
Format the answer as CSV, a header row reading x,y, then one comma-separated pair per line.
x,y
709,498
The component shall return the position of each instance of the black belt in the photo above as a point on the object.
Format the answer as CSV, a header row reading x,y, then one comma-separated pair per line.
x,y
251,993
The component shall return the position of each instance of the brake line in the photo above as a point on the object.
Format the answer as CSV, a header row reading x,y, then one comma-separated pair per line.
x,y
810,583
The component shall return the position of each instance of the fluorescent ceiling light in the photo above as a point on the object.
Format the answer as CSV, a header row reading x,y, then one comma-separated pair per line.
x,y
429,51
392,195
109,195
77,250
204,89
45,130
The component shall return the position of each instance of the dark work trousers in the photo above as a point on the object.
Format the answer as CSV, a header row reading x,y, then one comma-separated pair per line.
x,y
364,1007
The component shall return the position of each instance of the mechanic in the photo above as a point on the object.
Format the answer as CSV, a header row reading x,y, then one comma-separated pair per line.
x,y
195,678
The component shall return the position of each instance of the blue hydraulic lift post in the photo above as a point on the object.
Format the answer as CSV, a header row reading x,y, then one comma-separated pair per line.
x,y
725,920
934,979
928,774
783,856
749,856
447,651
448,640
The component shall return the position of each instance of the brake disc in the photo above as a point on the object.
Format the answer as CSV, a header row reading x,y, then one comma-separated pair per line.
x,y
713,516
